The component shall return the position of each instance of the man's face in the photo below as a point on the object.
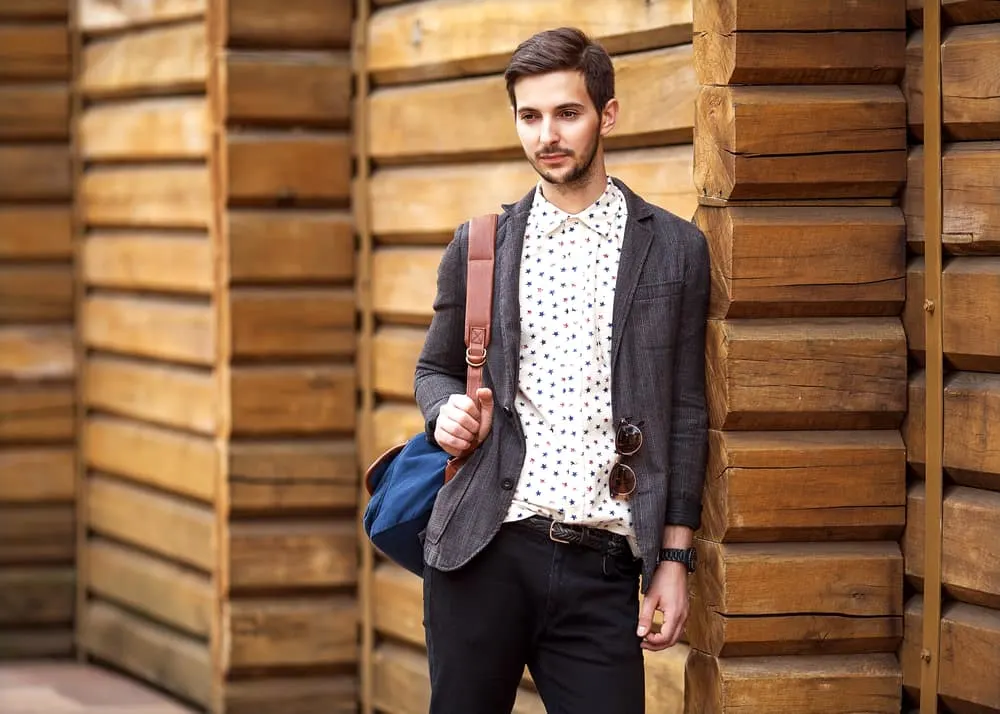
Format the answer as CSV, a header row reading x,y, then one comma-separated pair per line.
x,y
559,127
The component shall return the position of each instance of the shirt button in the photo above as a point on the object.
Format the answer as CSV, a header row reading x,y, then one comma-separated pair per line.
x,y
507,484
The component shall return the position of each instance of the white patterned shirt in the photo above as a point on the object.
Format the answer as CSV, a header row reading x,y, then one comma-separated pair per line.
x,y
569,266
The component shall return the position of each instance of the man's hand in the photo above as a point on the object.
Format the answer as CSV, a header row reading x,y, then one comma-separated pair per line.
x,y
667,593
463,423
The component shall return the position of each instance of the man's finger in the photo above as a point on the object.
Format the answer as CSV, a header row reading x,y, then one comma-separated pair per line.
x,y
485,397
646,615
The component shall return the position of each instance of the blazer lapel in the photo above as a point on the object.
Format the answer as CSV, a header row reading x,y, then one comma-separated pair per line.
x,y
635,248
508,271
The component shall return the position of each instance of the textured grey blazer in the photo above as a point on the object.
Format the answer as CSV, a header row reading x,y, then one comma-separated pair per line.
x,y
657,377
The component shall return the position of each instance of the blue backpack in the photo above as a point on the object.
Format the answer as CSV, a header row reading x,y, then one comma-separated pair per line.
x,y
403,482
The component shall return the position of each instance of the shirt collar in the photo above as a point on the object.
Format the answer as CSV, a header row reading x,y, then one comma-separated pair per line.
x,y
600,216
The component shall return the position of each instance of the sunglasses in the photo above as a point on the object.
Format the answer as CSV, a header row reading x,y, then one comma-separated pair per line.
x,y
628,439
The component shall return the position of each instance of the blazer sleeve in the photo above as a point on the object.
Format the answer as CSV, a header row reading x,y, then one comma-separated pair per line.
x,y
441,368
689,432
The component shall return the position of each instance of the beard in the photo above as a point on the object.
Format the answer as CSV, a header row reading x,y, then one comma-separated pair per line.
x,y
578,172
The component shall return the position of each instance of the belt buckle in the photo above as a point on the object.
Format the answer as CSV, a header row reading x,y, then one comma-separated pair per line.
x,y
552,534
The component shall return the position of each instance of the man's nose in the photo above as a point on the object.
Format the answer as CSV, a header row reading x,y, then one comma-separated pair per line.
x,y
548,135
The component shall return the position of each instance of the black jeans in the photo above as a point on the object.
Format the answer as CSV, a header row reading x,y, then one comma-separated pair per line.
x,y
569,613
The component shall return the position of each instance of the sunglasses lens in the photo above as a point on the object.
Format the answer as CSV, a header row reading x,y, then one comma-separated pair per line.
x,y
622,480
628,439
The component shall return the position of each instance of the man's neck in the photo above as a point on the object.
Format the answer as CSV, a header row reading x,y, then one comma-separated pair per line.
x,y
574,199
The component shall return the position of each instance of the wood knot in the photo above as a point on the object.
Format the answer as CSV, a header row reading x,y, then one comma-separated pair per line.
x,y
928,306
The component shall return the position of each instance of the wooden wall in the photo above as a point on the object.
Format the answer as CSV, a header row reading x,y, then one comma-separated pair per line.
x,y
36,333
444,148
800,154
970,615
217,262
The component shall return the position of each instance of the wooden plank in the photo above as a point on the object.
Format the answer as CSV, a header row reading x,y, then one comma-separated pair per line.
x,y
407,123
291,632
836,598
35,644
971,421
145,130
309,399
808,685
800,142
913,429
393,424
179,463
970,567
163,524
296,88
971,195
394,358
37,475
833,373
913,310
158,589
397,604
432,201
33,535
326,694
970,645
445,38
867,57
35,232
30,172
36,596
665,679
727,16
34,51
36,352
796,486
166,262
288,167
404,284
150,327
772,262
34,9
292,554
37,413
969,83
273,476
100,16
163,60
34,111
290,23
301,246
970,291
151,652
294,322
36,293
163,394
160,196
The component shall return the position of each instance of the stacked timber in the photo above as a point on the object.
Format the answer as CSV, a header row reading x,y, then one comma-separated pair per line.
x,y
969,628
37,421
218,258
800,152
444,148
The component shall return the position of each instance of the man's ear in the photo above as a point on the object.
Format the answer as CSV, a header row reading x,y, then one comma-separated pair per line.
x,y
609,117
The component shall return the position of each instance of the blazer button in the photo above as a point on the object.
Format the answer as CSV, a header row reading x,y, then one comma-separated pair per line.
x,y
508,411
507,484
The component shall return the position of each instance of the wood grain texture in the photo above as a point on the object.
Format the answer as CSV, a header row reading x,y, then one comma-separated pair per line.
x,y
804,142
34,51
445,38
405,281
96,16
36,596
300,24
833,373
394,358
323,694
36,293
35,535
37,475
772,262
148,260
292,323
800,486
268,167
34,9
30,232
145,130
292,554
971,421
657,88
32,112
728,16
149,196
970,291
36,352
37,413
308,399
34,172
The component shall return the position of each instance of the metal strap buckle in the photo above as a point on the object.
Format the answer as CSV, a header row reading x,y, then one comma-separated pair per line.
x,y
552,534
477,361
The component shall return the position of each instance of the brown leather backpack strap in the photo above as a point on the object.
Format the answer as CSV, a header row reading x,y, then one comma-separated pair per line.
x,y
478,312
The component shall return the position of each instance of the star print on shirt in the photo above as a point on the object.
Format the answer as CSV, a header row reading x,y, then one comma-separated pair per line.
x,y
564,394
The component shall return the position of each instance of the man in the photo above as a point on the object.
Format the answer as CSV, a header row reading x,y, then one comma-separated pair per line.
x,y
590,428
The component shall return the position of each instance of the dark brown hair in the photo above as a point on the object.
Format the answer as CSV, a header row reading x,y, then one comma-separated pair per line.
x,y
565,48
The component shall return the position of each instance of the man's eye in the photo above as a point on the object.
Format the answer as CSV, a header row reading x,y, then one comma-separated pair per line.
x,y
568,114
527,117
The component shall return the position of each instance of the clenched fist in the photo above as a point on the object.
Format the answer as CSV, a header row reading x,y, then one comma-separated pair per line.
x,y
463,423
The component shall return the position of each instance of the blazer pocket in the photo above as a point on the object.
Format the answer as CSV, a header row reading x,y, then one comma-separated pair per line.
x,y
653,291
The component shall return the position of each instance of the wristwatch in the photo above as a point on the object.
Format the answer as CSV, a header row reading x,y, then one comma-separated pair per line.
x,y
687,556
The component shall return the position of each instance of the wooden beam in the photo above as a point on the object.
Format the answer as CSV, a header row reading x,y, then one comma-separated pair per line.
x,y
727,16
135,130
149,196
36,534
34,172
292,554
308,399
36,352
34,51
148,260
300,24
32,475
292,323
32,112
35,232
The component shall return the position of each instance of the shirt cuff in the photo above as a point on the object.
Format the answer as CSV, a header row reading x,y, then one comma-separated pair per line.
x,y
683,512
